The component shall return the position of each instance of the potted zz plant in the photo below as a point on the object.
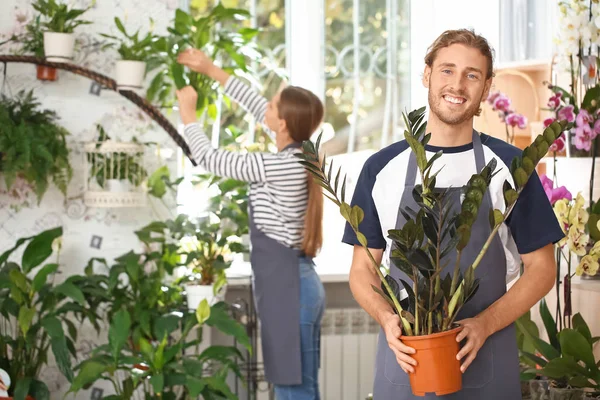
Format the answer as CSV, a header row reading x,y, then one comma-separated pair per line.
x,y
60,22
134,51
421,250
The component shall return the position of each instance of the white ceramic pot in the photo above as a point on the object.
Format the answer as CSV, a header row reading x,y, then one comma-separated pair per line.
x,y
118,185
196,293
59,47
130,74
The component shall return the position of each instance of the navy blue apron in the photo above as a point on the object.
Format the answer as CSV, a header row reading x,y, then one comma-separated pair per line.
x,y
494,374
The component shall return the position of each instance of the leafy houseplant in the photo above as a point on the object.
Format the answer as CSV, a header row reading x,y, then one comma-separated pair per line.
x,y
209,34
567,359
421,247
60,21
36,314
202,245
168,368
33,145
134,51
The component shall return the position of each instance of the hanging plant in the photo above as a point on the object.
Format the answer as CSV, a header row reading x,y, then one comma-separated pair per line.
x,y
33,145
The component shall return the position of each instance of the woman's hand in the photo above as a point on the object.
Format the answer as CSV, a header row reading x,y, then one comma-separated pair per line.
x,y
187,98
196,60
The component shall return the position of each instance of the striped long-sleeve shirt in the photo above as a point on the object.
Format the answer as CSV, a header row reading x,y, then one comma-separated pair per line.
x,y
278,182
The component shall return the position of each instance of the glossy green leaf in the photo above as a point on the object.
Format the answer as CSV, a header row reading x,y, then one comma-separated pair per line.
x,y
39,249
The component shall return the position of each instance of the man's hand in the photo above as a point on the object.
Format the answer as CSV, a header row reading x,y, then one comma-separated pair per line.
x,y
188,98
476,333
391,327
196,60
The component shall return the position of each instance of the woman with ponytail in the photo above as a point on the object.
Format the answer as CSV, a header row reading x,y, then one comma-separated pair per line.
x,y
286,213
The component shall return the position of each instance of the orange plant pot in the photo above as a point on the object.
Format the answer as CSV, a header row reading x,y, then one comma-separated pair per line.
x,y
10,398
46,73
437,370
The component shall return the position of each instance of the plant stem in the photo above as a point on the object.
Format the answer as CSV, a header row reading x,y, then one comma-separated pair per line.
x,y
591,199
456,272
559,317
416,290
405,323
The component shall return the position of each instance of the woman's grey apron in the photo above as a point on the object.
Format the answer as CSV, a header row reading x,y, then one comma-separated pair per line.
x,y
494,374
276,281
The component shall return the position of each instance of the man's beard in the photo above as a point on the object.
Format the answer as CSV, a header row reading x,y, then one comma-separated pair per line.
x,y
449,117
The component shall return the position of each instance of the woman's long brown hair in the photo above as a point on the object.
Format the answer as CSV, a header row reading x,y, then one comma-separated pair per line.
x,y
302,112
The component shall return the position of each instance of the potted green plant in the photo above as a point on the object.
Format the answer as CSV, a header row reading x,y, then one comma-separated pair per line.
x,y
115,171
134,51
212,34
60,21
421,248
37,314
565,361
204,246
32,42
33,145
171,367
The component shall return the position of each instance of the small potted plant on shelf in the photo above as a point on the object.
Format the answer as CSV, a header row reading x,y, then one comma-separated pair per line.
x,y
37,314
33,146
32,42
134,51
421,249
60,21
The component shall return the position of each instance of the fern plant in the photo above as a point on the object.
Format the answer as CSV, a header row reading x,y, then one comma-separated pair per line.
x,y
32,145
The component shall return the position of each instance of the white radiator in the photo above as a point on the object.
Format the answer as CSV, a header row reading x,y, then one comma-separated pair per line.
x,y
348,346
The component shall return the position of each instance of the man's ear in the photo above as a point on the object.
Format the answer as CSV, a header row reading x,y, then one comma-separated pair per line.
x,y
426,76
486,88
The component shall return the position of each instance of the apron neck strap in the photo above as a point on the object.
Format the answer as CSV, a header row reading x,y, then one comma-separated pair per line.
x,y
411,170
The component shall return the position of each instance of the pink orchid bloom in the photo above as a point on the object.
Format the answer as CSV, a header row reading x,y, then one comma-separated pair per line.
x,y
567,113
492,97
515,119
554,194
558,145
502,103
554,101
548,122
583,137
583,118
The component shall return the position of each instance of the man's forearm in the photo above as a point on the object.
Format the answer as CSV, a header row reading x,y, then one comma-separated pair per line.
x,y
361,280
533,285
218,75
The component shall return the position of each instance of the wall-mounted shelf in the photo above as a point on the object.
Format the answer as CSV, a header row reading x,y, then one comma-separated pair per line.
x,y
108,83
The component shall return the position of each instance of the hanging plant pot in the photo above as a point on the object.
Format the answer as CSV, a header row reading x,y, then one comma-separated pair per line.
x,y
437,370
196,293
59,47
130,74
566,394
46,73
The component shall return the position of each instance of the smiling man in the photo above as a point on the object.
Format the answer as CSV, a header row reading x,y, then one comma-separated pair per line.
x,y
458,74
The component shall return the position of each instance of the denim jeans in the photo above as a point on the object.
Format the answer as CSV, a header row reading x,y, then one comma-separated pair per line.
x,y
312,306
